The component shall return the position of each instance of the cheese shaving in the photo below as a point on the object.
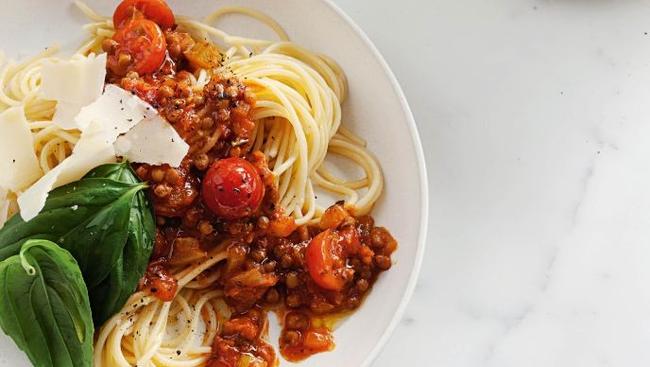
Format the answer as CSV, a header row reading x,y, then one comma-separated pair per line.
x,y
19,165
153,141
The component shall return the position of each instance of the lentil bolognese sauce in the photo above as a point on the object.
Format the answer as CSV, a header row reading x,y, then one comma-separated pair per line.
x,y
238,231
222,192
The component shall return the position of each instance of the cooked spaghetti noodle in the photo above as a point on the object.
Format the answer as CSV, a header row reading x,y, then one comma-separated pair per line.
x,y
141,334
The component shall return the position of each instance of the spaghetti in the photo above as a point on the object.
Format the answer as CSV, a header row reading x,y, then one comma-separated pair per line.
x,y
141,334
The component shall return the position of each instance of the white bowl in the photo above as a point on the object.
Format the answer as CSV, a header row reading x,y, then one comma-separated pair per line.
x,y
376,109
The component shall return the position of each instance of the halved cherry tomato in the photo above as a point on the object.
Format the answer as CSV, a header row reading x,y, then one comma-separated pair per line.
x,y
232,188
155,10
326,261
141,47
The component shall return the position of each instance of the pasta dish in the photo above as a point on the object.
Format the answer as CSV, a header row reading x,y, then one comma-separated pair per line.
x,y
160,192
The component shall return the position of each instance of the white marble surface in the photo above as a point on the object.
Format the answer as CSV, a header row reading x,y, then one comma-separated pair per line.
x,y
535,118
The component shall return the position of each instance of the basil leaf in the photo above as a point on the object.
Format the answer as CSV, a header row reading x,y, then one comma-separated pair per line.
x,y
121,172
106,221
90,218
44,306
108,297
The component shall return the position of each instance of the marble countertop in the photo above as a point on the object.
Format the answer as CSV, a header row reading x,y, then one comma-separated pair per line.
x,y
535,120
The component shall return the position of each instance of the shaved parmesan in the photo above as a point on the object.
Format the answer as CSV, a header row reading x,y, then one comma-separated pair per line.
x,y
95,147
77,81
148,139
33,200
116,108
19,165
153,141
73,84
64,115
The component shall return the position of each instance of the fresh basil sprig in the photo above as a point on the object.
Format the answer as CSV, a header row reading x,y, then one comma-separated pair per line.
x,y
89,218
105,221
44,306
108,297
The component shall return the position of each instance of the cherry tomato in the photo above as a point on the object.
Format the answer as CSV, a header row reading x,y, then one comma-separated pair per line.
x,y
232,188
326,261
155,10
141,47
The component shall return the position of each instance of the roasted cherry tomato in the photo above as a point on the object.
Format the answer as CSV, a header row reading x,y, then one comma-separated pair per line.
x,y
232,188
140,47
326,261
155,10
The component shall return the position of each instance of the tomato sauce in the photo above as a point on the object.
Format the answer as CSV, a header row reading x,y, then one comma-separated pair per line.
x,y
241,342
305,273
301,337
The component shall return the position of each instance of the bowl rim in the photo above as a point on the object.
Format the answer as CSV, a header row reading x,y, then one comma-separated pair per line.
x,y
424,186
